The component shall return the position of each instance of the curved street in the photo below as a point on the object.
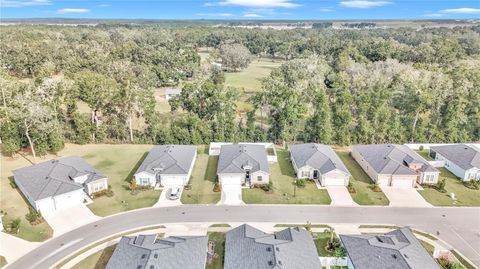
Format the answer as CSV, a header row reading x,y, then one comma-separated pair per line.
x,y
460,227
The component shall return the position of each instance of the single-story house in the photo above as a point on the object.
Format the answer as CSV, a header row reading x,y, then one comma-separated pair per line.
x,y
171,93
59,184
394,165
167,165
242,164
460,159
152,252
318,162
398,249
249,248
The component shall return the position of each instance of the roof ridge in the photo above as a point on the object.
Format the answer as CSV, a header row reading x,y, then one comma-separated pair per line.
x,y
47,177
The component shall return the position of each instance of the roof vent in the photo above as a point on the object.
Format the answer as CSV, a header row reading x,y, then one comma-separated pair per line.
x,y
269,249
155,255
143,256
280,262
394,256
270,263
379,239
277,249
405,255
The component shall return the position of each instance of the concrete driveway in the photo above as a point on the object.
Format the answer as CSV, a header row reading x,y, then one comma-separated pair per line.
x,y
403,197
231,195
164,201
67,219
340,196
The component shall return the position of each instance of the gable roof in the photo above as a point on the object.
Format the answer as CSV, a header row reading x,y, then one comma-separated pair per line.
x,y
236,158
462,155
168,159
249,248
54,177
317,156
151,252
392,159
398,249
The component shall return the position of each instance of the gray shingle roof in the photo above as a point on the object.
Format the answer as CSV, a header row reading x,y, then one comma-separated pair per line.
x,y
317,156
392,159
168,159
54,177
462,155
234,158
150,252
250,248
398,249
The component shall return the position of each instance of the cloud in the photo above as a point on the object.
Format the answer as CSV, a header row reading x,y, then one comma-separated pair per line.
x,y
326,9
255,3
363,3
462,10
252,15
215,14
21,3
72,10
103,5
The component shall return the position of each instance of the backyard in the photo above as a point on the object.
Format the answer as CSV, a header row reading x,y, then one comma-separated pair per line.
x,y
362,183
202,181
321,239
284,192
464,195
97,260
219,241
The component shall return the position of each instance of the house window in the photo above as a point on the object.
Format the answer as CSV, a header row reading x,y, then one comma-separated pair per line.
x,y
98,187
305,173
144,181
259,178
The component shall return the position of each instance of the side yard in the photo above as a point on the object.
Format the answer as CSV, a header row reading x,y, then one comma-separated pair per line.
x,y
464,195
284,191
202,181
219,241
97,260
14,206
362,183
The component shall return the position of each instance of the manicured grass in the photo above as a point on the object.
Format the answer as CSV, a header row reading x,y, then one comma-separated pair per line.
x,y
219,240
424,154
364,195
464,195
202,181
282,176
13,205
463,261
431,237
249,79
220,225
303,225
97,260
321,240
368,226
3,262
428,247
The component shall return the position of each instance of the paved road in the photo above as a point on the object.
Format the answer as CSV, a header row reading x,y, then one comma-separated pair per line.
x,y
457,226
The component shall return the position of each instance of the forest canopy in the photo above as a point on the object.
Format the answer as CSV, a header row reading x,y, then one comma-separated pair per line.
x,y
334,86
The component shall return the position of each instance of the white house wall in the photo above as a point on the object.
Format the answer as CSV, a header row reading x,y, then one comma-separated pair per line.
x,y
91,185
142,176
455,169
254,177
424,176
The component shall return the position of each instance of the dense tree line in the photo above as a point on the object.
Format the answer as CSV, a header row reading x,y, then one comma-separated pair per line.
x,y
96,84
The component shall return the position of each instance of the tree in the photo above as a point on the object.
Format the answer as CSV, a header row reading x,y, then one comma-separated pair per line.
x,y
319,127
235,56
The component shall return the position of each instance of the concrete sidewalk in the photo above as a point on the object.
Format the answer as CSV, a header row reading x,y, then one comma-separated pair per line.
x,y
340,196
12,247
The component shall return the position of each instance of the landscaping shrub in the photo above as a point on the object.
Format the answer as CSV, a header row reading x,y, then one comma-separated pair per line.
x,y
441,185
472,184
108,192
301,183
421,148
14,226
350,188
33,216
217,187
376,188
447,264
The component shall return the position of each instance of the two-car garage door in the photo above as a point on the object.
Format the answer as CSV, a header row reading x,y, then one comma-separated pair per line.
x,y
231,180
332,181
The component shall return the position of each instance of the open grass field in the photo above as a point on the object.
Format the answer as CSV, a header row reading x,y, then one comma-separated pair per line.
x,y
282,175
13,205
202,180
249,79
219,240
464,195
361,182
97,260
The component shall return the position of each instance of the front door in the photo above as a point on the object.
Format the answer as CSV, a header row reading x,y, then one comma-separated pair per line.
x,y
247,177
315,174
159,178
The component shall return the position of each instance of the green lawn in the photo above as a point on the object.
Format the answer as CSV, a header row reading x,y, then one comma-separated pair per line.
x,y
427,246
464,195
12,204
202,180
97,260
361,182
249,79
424,154
3,262
219,240
282,176
321,240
